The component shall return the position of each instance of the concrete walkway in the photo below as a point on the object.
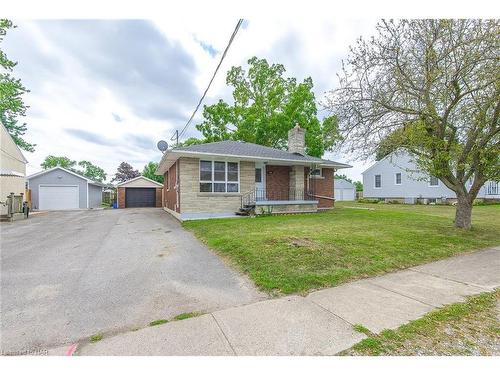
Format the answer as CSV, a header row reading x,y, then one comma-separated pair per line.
x,y
319,324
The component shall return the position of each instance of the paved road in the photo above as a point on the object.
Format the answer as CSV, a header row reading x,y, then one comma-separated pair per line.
x,y
68,275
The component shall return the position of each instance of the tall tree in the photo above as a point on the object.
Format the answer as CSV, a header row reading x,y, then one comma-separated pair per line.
x,y
58,161
11,90
149,171
92,171
125,172
266,105
436,85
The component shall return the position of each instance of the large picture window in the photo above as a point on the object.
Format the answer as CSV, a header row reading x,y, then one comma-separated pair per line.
x,y
219,177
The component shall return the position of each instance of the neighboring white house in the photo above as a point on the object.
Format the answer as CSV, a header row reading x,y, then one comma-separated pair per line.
x,y
12,168
344,190
397,177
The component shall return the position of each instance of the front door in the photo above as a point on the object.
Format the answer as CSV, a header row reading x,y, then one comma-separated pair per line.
x,y
260,181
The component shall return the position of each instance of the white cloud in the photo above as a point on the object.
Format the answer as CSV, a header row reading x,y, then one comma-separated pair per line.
x,y
87,85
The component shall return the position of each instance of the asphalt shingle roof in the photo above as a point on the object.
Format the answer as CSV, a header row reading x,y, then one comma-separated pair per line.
x,y
243,149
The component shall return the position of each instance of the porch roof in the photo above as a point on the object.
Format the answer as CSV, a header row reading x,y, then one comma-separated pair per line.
x,y
243,151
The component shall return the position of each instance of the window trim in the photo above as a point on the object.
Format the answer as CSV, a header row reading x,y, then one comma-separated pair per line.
x,y
261,175
375,181
320,175
212,181
396,178
429,182
167,178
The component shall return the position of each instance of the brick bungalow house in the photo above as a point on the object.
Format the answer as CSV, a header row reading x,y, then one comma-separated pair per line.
x,y
225,178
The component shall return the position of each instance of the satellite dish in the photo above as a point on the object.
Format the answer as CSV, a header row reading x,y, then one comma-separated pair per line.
x,y
162,146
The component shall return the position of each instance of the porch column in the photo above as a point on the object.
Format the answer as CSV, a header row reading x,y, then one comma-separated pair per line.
x,y
297,182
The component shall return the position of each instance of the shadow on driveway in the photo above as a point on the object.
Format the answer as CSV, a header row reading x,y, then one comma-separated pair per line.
x,y
68,275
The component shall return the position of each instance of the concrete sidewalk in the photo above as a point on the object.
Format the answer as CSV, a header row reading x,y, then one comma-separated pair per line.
x,y
319,324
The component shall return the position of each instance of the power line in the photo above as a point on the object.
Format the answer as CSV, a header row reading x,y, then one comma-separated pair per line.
x,y
178,134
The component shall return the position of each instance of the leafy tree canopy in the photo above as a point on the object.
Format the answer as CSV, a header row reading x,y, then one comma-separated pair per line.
x,y
58,161
86,168
92,171
191,141
149,171
11,90
266,104
125,172
432,88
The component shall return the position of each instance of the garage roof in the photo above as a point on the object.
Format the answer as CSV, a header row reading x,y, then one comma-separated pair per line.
x,y
92,182
140,181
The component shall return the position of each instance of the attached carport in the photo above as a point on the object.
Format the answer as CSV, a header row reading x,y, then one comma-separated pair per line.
x,y
140,192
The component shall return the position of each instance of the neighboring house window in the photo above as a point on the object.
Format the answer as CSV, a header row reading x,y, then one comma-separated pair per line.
x,y
398,178
219,177
433,181
318,172
378,181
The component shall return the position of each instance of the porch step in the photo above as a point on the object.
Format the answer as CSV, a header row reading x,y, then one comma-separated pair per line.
x,y
246,210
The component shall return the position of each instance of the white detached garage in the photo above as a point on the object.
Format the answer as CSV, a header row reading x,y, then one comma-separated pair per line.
x,y
344,190
61,189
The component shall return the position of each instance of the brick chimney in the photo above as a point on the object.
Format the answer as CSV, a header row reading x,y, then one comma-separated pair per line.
x,y
296,140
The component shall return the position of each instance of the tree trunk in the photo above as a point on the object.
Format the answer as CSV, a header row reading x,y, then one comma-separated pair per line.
x,y
463,214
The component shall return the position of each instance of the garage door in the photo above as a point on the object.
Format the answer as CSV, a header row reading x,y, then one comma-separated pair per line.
x,y
140,197
338,194
344,194
58,197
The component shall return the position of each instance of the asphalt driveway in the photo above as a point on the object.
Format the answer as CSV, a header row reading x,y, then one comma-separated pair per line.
x,y
68,275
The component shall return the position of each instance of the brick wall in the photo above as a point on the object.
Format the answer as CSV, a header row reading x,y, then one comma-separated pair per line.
x,y
195,201
277,182
170,189
321,186
159,197
121,197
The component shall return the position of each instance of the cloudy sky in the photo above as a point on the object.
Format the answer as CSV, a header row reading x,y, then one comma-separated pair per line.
x,y
107,91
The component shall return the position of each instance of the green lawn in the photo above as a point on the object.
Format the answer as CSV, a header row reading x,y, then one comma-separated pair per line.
x,y
297,253
469,328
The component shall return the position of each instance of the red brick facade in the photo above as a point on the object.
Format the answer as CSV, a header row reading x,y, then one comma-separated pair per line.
x,y
170,185
121,197
159,197
322,186
277,182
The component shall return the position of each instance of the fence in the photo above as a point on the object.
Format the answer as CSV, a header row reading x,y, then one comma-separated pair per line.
x,y
16,206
